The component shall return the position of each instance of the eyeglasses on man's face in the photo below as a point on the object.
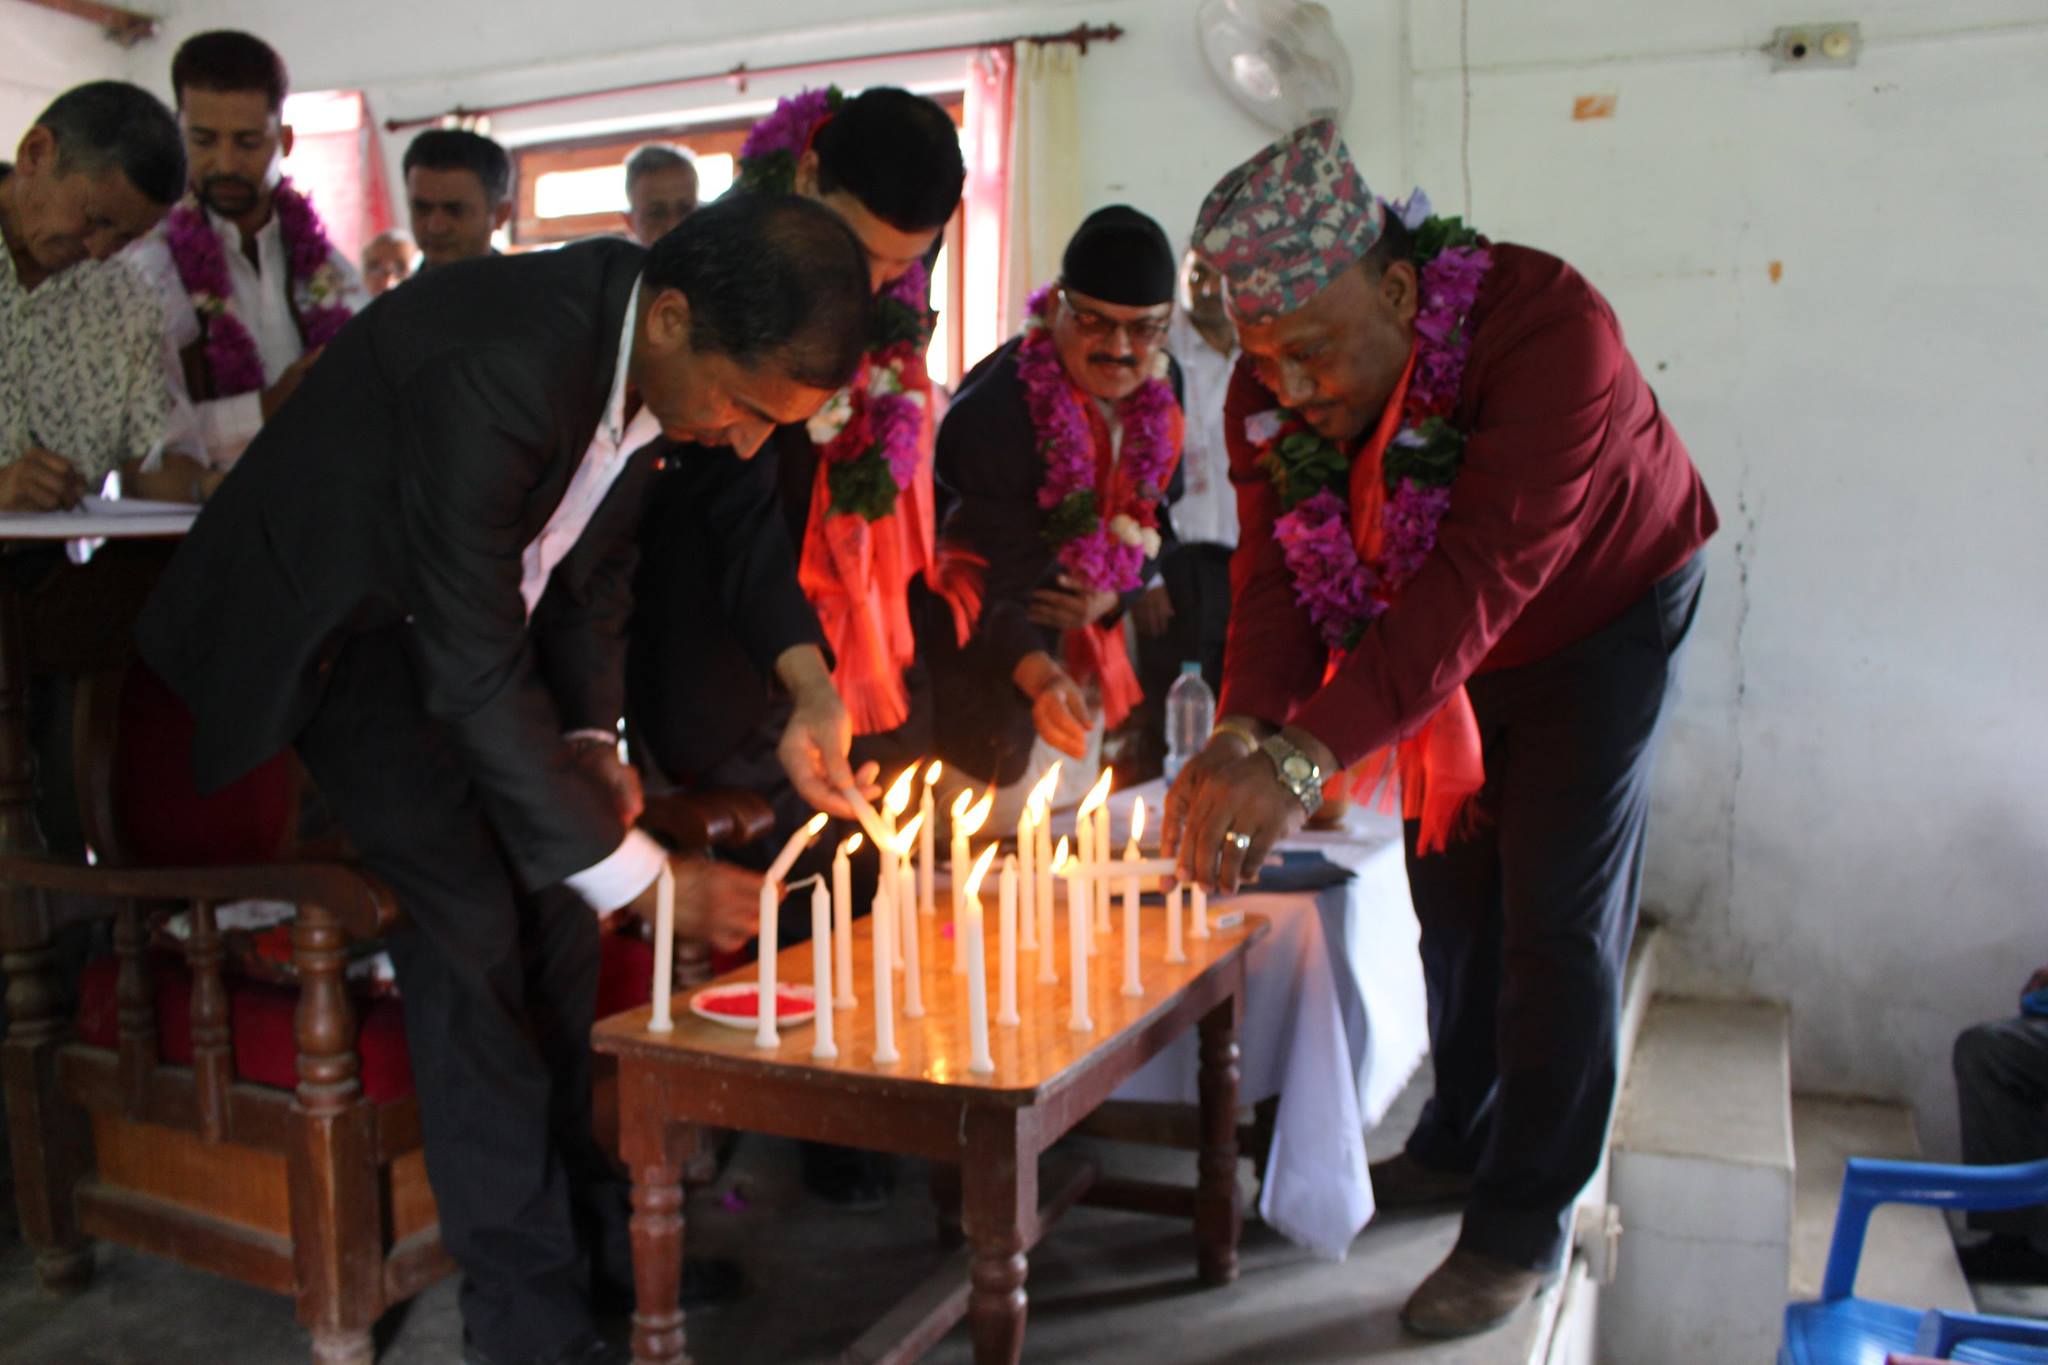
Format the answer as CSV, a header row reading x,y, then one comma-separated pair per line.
x,y
1142,331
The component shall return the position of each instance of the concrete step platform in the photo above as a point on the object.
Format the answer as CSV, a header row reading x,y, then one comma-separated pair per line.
x,y
1908,1256
1702,1174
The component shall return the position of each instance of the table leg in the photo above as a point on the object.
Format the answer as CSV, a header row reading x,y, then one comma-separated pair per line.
x,y
657,1229
1219,1212
945,1182
999,1206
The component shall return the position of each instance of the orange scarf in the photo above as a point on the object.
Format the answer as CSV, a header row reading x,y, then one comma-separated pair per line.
x,y
857,575
1441,766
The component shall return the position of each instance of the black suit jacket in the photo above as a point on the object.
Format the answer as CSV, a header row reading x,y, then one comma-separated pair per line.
x,y
989,469
402,483
716,602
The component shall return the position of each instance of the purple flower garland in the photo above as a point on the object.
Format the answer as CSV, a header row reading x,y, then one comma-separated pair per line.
x,y
1101,542
231,356
1341,593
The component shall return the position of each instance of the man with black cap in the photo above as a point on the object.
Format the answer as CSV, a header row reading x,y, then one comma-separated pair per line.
x,y
1057,459
1469,554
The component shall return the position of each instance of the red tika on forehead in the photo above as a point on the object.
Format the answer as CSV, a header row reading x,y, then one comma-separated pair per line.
x,y
1287,222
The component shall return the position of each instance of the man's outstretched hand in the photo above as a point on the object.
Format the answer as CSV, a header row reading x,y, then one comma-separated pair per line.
x,y
820,733
716,903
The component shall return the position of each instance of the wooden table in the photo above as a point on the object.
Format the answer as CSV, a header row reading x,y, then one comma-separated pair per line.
x,y
994,1128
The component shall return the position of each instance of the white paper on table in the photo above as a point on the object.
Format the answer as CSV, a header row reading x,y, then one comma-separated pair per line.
x,y
95,516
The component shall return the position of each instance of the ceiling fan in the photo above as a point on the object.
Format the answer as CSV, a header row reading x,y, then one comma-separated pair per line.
x,y
1279,59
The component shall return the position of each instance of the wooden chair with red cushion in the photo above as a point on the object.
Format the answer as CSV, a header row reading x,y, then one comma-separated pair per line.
x,y
264,1130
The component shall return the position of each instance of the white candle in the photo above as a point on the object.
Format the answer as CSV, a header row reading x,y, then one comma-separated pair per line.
x,y
1105,850
1027,884
1082,888
843,997
784,860
1175,952
823,1046
927,842
1198,907
980,1062
882,922
870,819
896,800
1030,851
1091,824
1132,985
967,822
957,869
1006,945
664,948
1077,940
906,896
1048,956
764,1027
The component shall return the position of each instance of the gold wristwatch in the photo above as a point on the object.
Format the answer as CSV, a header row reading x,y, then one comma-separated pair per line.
x,y
1299,773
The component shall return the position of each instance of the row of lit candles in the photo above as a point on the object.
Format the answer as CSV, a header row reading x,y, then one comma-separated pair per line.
x,y
1025,899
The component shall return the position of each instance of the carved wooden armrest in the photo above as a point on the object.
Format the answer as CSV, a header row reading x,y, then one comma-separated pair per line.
x,y
708,819
360,905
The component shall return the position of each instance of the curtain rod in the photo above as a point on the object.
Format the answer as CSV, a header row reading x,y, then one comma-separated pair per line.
x,y
123,26
1081,35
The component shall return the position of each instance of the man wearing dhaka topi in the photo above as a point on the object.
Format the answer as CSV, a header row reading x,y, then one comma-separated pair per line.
x,y
1469,555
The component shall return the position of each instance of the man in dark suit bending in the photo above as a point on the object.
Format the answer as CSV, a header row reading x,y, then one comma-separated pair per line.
x,y
420,575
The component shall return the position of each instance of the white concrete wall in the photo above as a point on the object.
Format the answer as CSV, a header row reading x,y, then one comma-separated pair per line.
x,y
1850,815
43,54
1850,808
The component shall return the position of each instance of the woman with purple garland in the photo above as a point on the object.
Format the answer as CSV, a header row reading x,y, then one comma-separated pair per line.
x,y
1470,551
1056,462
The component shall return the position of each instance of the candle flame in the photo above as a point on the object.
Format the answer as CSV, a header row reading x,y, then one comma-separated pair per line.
x,y
977,814
988,855
852,844
1137,821
960,805
898,798
1059,856
814,824
1098,793
1041,795
907,836
931,774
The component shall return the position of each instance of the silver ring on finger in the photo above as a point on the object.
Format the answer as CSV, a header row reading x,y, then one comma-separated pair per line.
x,y
1241,842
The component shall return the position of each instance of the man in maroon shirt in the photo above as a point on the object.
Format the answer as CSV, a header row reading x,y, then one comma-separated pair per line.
x,y
1533,630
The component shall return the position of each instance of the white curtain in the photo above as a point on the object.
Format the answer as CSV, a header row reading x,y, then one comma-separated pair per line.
x,y
1043,203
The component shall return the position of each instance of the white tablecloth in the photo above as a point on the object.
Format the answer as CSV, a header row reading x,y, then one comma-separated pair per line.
x,y
1335,1025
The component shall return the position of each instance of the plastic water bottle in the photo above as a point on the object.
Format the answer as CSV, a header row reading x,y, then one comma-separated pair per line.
x,y
1190,714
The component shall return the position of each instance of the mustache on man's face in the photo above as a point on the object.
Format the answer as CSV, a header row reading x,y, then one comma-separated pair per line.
x,y
213,184
1105,358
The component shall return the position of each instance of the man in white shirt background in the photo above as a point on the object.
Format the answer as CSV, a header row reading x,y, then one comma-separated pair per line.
x,y
1186,616
251,289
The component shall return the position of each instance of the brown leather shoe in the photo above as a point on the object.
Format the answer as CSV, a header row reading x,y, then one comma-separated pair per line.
x,y
1469,1293
1401,1182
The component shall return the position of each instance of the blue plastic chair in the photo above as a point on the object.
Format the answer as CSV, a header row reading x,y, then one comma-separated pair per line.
x,y
1840,1329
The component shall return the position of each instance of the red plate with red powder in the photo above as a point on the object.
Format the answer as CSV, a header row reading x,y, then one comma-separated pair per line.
x,y
736,1004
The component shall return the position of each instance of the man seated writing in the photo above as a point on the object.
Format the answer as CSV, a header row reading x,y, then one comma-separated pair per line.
x,y
82,384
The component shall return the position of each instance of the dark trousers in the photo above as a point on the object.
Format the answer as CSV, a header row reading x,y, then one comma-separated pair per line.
x,y
500,990
1526,923
2002,1099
